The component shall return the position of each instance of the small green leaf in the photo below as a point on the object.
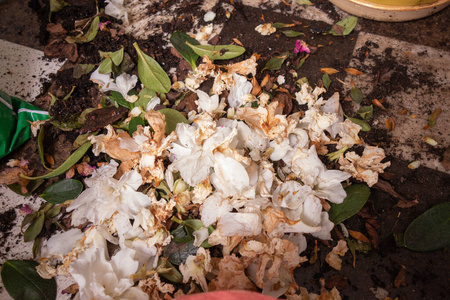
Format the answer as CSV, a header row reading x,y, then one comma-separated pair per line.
x,y
81,139
22,281
301,62
180,235
119,99
178,40
301,81
433,118
132,126
57,5
31,187
217,52
304,2
356,94
82,69
53,212
36,247
34,229
88,36
276,62
326,80
431,230
292,33
145,95
173,274
73,159
151,74
40,141
173,117
61,191
357,195
28,219
364,125
366,112
280,25
348,25
110,58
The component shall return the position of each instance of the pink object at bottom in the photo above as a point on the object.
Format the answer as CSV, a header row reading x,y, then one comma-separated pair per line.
x,y
227,295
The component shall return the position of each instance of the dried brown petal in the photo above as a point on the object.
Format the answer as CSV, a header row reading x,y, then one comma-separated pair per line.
x,y
359,236
353,71
329,71
390,124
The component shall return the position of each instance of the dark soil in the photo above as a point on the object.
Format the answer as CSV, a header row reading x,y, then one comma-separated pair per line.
x,y
426,274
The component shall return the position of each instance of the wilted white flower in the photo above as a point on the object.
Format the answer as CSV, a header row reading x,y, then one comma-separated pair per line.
x,y
116,9
325,183
207,103
124,83
101,278
105,195
152,103
196,267
240,88
280,79
266,29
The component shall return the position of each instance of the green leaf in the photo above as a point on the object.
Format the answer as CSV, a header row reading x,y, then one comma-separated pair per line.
x,y
22,281
110,58
53,212
431,230
173,117
292,33
81,139
88,36
57,5
276,62
145,95
326,80
151,74
34,229
304,2
217,52
348,24
132,126
356,94
173,274
178,40
73,159
61,191
36,247
366,112
40,141
301,81
28,219
31,187
180,235
280,25
357,195
179,257
82,69
364,125
119,99
301,62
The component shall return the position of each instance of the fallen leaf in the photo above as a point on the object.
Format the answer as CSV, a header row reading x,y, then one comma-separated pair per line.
x,y
314,255
285,101
388,188
446,159
377,103
373,235
359,236
402,203
256,90
238,42
432,119
402,111
390,124
329,71
265,80
353,71
400,278
49,159
374,223
414,165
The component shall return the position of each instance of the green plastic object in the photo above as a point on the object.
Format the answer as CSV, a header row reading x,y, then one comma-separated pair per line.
x,y
15,118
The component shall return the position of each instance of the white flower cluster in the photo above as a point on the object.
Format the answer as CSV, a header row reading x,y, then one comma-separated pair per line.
x,y
253,173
